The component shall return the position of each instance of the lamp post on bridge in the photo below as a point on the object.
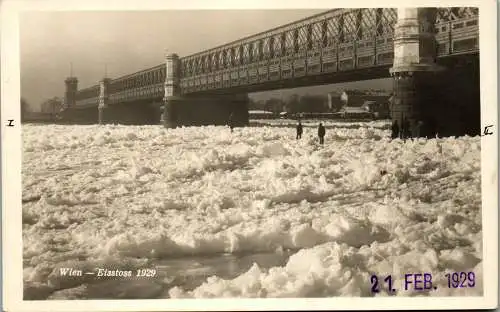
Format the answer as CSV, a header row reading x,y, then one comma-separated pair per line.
x,y
414,69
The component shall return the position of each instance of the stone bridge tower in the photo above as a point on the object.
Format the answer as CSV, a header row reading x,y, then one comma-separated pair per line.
x,y
71,91
415,71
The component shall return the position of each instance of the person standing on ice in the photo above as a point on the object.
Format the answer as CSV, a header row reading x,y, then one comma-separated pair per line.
x,y
230,122
321,133
395,130
299,130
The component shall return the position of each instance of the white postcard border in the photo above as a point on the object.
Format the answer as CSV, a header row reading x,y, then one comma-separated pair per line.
x,y
12,148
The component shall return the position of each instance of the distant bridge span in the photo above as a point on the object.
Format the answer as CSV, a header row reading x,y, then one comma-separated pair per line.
x,y
416,46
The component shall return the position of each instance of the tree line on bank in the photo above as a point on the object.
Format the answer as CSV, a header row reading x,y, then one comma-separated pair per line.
x,y
49,109
24,109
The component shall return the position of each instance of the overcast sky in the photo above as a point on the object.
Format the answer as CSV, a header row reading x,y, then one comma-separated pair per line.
x,y
130,41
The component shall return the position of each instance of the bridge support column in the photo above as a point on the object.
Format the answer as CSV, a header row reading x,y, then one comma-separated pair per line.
x,y
239,108
103,101
172,90
171,107
101,115
415,72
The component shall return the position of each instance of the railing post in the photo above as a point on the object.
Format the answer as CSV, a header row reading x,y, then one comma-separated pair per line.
x,y
414,72
172,90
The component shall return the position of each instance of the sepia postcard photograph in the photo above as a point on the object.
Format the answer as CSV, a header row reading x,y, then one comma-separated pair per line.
x,y
249,156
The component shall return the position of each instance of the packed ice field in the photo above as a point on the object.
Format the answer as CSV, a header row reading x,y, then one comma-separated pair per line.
x,y
130,197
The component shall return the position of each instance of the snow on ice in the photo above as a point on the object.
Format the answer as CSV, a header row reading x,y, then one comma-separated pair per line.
x,y
126,197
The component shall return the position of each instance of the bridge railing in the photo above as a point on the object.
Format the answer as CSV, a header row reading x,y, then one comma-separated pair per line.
x,y
87,97
457,31
145,84
338,40
332,41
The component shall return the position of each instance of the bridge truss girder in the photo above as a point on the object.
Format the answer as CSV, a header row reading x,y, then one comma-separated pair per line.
x,y
331,42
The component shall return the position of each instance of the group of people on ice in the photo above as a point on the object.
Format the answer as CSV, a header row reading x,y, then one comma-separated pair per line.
x,y
321,132
406,131
300,129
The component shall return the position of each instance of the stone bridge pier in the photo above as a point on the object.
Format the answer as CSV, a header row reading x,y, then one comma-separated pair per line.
x,y
73,114
435,99
197,110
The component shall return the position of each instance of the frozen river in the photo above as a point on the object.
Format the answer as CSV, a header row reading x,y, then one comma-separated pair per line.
x,y
254,213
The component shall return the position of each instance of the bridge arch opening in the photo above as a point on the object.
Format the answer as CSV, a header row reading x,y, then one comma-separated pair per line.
x,y
261,50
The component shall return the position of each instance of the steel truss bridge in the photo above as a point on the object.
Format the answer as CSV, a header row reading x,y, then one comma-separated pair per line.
x,y
334,46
